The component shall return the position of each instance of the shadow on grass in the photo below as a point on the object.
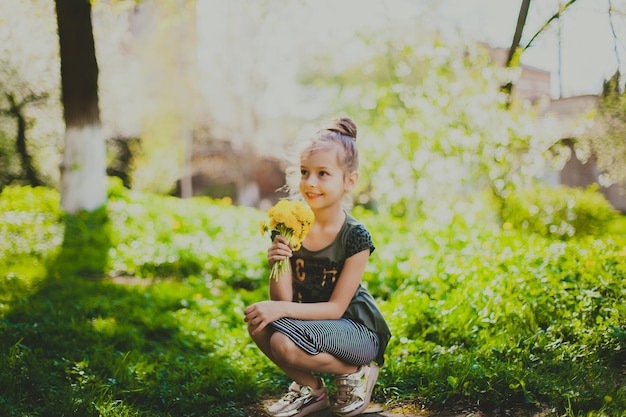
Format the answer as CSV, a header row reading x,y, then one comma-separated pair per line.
x,y
85,248
82,345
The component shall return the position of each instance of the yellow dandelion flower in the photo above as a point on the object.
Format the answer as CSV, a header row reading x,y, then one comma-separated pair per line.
x,y
297,229
292,220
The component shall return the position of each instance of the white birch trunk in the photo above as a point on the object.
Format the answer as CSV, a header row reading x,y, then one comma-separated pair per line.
x,y
83,170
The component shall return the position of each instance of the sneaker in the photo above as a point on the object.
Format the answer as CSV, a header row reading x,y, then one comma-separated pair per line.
x,y
294,392
355,390
300,401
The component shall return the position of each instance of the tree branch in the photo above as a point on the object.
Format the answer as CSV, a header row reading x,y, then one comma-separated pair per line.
x,y
615,38
547,23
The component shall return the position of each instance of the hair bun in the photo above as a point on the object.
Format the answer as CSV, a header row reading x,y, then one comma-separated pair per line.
x,y
344,126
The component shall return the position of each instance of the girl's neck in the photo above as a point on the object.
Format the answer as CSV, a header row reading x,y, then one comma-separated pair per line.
x,y
330,218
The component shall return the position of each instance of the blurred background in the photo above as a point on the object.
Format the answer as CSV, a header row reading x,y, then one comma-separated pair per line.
x,y
208,97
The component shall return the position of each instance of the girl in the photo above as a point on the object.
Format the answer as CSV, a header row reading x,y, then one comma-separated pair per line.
x,y
320,318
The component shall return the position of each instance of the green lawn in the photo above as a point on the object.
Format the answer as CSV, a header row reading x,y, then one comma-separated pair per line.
x,y
137,310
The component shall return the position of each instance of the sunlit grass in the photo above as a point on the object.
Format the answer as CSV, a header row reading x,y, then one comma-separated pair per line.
x,y
489,316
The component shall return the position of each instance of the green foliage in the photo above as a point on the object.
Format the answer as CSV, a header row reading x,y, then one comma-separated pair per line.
x,y
86,243
130,346
163,349
31,231
603,138
436,124
499,317
560,212
159,236
490,316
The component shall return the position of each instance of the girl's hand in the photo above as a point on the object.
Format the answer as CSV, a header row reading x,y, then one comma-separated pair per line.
x,y
279,250
261,314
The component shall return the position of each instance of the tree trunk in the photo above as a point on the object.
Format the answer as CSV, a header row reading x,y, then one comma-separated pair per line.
x,y
83,169
16,110
519,28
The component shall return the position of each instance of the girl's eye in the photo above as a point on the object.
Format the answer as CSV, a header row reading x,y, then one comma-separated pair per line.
x,y
323,173
303,172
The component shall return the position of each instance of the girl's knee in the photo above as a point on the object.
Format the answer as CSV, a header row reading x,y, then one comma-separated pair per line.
x,y
260,338
285,350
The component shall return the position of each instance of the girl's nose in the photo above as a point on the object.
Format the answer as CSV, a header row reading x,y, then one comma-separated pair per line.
x,y
311,180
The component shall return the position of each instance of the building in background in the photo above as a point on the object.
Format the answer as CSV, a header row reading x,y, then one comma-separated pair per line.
x,y
565,115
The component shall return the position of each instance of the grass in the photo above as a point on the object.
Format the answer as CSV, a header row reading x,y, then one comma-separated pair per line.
x,y
79,346
136,310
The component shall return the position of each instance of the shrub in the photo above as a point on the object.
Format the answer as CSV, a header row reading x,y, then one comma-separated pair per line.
x,y
559,212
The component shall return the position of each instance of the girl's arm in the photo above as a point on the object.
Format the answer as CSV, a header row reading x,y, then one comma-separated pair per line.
x,y
261,314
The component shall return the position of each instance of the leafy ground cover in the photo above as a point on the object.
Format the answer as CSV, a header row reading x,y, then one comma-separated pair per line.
x,y
136,310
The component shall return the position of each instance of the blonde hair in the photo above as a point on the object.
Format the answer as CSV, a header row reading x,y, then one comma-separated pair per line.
x,y
341,131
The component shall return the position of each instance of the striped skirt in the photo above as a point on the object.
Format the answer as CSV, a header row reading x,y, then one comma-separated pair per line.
x,y
347,340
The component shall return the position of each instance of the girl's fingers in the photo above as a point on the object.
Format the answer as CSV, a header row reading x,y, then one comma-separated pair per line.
x,y
279,252
259,327
280,239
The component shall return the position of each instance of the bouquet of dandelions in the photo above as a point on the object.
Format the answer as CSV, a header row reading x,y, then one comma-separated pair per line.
x,y
292,220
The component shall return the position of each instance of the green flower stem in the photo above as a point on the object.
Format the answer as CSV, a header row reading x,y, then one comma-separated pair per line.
x,y
280,267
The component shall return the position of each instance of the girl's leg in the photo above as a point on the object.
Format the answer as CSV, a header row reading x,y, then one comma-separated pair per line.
x,y
295,362
263,341
291,355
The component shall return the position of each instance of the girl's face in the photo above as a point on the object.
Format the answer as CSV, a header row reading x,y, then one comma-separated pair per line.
x,y
323,181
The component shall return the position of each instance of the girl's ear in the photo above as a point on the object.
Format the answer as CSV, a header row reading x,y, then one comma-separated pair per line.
x,y
351,180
